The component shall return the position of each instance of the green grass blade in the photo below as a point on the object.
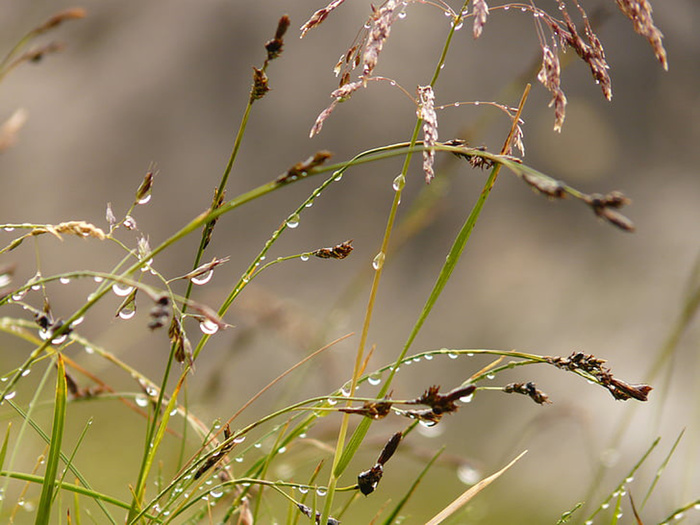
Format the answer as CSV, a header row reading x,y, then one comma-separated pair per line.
x,y
59,418
3,451
402,502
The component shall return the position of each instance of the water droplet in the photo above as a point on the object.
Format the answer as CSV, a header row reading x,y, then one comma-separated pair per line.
x,y
429,357
293,220
151,391
36,287
629,479
203,278
452,355
523,9
442,66
60,339
127,313
64,280
10,395
507,7
173,412
78,321
239,459
216,493
678,516
467,399
378,261
428,424
321,491
490,376
9,228
98,279
144,199
331,401
618,515
345,391
89,350
304,257
374,379
338,176
257,445
309,204
468,474
122,290
399,182
26,372
470,354
208,327
459,26
416,360
605,506
141,400
402,15
19,295
282,450
238,440
303,490
477,103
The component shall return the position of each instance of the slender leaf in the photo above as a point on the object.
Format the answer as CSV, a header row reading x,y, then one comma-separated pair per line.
x,y
59,418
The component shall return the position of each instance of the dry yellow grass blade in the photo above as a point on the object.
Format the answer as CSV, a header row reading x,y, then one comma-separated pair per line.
x,y
470,493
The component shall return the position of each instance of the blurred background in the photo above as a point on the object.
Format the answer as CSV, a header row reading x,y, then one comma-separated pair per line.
x,y
149,82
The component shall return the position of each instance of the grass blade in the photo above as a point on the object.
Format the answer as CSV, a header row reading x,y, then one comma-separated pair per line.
x,y
470,493
59,418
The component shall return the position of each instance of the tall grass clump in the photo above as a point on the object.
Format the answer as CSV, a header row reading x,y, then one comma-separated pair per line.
x,y
193,470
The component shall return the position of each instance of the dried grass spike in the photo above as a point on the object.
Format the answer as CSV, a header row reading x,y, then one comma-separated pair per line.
x,y
639,12
75,13
319,16
426,112
378,35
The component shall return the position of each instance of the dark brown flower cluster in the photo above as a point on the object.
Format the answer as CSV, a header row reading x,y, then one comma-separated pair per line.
x,y
217,455
339,251
76,392
607,206
368,480
440,404
593,366
476,161
527,389
372,410
308,512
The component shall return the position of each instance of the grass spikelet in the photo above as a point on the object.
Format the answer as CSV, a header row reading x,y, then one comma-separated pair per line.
x,y
639,12
426,112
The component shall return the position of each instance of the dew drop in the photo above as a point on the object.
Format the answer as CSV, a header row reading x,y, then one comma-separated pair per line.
x,y
374,379
36,287
64,280
78,321
9,228
470,354
331,401
122,290
239,440
629,479
523,9
321,492
428,424
10,395
605,505
60,339
26,372
89,350
127,313
216,493
293,220
145,199
173,412
399,182
304,257
204,278
309,204
452,355
98,279
378,261
467,399
257,445
429,357
338,176
141,400
402,15
151,391
239,459
345,392
304,490
678,516
490,376
459,26
19,295
282,450
507,7
208,327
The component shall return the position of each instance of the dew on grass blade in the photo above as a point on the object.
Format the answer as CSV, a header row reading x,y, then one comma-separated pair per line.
x,y
374,379
64,280
304,257
399,182
303,490
239,439
293,220
122,290
141,400
321,491
468,474
378,261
